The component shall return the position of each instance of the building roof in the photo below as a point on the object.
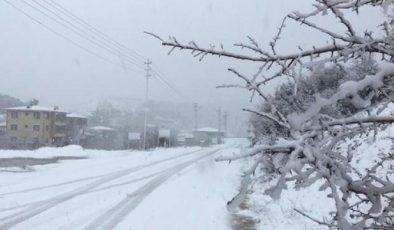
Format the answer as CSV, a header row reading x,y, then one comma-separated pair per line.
x,y
2,124
185,134
134,136
101,128
208,130
75,115
164,133
37,108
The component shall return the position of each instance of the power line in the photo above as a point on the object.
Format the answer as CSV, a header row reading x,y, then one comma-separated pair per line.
x,y
59,34
105,42
92,28
70,26
158,74
93,34
80,21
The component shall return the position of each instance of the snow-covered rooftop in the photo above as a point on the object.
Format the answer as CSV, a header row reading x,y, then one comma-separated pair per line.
x,y
134,136
164,133
208,130
185,134
37,108
75,115
101,128
3,124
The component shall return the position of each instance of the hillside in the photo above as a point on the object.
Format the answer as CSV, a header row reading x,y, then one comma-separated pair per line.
x,y
8,101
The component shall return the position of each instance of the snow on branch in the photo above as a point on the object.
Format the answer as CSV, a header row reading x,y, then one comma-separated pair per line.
x,y
269,117
283,148
312,148
349,90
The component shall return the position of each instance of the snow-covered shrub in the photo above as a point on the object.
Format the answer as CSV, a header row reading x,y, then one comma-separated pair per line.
x,y
313,150
324,81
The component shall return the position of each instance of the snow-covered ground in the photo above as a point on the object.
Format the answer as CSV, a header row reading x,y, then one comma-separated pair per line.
x,y
181,188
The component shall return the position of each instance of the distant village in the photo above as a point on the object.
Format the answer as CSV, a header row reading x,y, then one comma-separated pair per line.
x,y
33,126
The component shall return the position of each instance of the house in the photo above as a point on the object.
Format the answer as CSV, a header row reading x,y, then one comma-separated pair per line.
x,y
3,138
208,136
34,126
3,128
76,125
185,138
101,137
134,140
164,137
152,136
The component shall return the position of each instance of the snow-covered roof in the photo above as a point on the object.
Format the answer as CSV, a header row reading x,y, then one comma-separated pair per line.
x,y
37,108
3,124
134,136
185,134
101,128
164,133
208,130
75,115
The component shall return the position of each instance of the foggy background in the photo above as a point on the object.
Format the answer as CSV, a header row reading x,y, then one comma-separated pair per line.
x,y
36,63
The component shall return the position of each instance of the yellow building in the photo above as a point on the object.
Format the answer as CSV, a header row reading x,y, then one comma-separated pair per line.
x,y
35,126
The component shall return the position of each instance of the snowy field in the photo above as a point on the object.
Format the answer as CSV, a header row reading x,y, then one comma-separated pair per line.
x,y
180,188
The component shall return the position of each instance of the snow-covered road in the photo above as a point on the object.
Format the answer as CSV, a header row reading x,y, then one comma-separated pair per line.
x,y
182,188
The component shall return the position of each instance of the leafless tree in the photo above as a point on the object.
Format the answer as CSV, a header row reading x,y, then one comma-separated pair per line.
x,y
363,200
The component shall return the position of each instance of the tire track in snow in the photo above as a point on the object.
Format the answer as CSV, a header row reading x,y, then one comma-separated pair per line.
x,y
134,180
87,178
50,186
42,206
111,218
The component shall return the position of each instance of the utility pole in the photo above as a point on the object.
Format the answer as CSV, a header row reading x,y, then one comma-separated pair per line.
x,y
147,75
195,115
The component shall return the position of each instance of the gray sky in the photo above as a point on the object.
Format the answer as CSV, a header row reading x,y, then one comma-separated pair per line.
x,y
35,63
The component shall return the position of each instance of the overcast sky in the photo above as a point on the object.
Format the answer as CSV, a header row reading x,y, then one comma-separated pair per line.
x,y
36,63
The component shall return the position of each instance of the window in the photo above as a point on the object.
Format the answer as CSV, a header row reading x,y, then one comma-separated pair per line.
x,y
36,128
47,128
36,140
13,139
14,114
14,127
47,115
27,113
36,115
26,126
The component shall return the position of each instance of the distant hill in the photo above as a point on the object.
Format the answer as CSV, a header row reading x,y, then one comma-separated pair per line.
x,y
8,101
